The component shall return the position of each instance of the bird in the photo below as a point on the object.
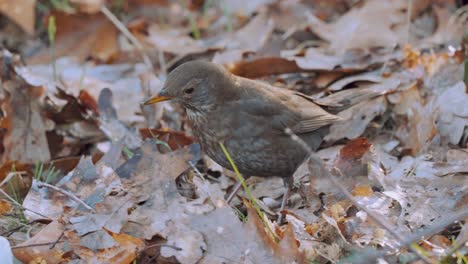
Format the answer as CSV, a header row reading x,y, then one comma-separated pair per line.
x,y
249,118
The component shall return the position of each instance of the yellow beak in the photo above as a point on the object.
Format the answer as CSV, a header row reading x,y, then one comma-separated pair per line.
x,y
157,99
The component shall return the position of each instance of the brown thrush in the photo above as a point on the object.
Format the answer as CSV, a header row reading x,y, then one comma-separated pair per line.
x,y
249,117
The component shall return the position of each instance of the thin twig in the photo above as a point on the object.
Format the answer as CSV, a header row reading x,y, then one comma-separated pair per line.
x,y
348,195
38,244
8,233
196,170
66,193
162,245
409,10
162,63
123,29
58,239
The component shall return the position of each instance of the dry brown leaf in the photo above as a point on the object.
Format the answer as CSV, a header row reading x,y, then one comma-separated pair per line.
x,y
81,36
22,12
356,119
5,207
372,24
175,139
263,67
129,246
88,6
362,190
15,184
25,139
30,252
418,128
355,149
351,160
114,248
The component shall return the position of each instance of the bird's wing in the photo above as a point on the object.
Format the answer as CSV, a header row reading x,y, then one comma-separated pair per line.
x,y
285,109
313,116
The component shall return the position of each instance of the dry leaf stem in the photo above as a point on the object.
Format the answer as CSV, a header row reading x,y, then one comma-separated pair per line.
x,y
66,193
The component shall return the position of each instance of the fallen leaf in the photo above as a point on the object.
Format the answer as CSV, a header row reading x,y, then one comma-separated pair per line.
x,y
261,26
263,67
22,12
150,176
129,246
363,77
350,61
5,207
186,245
453,116
356,119
363,27
352,161
25,139
248,243
174,41
32,249
88,6
448,27
244,7
82,36
362,190
175,139
418,128
15,184
114,248
111,125
91,183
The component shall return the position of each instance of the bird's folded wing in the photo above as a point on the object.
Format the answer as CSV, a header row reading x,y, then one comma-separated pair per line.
x,y
313,116
297,113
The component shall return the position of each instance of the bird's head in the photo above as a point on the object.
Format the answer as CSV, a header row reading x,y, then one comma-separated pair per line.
x,y
195,85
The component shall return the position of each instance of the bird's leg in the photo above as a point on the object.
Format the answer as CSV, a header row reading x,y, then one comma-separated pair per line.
x,y
288,182
234,192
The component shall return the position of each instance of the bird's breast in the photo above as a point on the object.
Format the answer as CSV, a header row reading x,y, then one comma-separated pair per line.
x,y
203,128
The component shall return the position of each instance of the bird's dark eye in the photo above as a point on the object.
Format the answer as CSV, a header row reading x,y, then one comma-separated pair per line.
x,y
189,90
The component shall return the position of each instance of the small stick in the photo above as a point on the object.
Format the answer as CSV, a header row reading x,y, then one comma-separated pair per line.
x,y
38,244
58,239
120,26
196,170
8,233
66,193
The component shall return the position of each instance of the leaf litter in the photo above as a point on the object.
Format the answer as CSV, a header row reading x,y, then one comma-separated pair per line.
x,y
136,186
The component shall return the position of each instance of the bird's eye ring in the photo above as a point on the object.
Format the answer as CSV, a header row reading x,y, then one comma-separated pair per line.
x,y
189,90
